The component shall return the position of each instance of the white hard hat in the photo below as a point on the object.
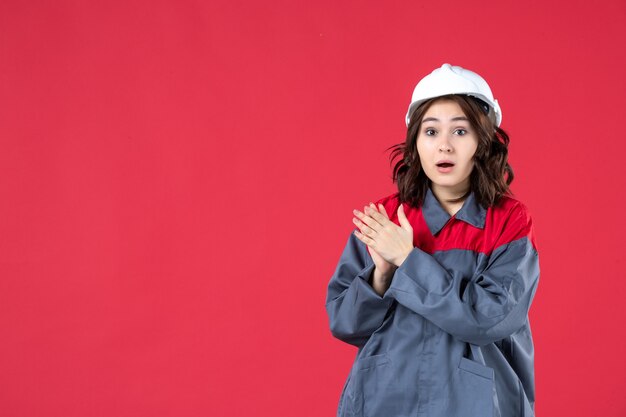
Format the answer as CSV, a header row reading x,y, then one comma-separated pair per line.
x,y
453,80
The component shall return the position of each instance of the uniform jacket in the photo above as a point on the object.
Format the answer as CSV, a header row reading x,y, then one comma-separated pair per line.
x,y
451,336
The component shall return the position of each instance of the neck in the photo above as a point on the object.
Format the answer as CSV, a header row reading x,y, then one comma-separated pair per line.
x,y
445,194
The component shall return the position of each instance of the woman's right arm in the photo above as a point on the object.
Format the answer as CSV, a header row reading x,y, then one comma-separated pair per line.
x,y
355,310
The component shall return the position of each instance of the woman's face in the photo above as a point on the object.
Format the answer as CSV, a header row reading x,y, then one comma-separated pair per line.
x,y
446,143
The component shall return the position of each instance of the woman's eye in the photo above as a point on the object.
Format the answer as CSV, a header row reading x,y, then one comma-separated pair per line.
x,y
429,132
461,132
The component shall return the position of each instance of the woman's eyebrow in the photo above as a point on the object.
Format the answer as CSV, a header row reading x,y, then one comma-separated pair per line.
x,y
454,119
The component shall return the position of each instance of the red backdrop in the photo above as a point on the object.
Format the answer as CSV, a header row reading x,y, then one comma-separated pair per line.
x,y
177,180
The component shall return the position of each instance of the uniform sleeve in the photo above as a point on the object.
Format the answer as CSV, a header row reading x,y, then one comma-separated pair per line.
x,y
481,309
354,309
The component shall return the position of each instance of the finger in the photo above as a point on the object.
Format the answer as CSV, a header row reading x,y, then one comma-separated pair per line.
x,y
365,229
369,242
366,218
404,222
381,209
374,214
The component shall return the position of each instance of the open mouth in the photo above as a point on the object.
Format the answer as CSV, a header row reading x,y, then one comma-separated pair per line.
x,y
445,164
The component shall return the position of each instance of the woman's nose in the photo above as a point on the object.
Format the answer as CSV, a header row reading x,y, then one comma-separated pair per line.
x,y
445,146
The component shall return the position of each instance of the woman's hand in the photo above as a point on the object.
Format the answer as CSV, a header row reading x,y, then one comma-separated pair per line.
x,y
381,277
392,243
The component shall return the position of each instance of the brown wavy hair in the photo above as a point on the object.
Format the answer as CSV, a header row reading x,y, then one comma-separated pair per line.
x,y
491,176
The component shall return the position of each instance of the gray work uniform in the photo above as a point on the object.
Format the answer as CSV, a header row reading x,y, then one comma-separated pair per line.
x,y
451,336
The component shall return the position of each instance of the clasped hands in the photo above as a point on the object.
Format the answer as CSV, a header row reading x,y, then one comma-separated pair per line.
x,y
389,243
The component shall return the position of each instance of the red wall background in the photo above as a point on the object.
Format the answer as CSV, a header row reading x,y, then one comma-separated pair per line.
x,y
177,180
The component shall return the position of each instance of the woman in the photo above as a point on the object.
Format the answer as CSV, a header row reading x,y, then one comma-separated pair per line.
x,y
435,286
